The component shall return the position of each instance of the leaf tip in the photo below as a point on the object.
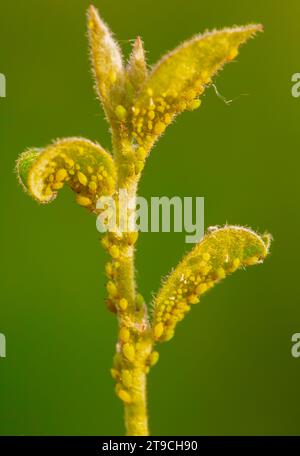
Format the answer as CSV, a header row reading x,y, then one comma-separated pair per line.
x,y
23,165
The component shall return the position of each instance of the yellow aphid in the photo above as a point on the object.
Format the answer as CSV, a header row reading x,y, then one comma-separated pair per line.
x,y
206,256
220,273
168,335
181,105
204,268
199,87
111,289
193,299
121,113
114,251
151,115
234,265
150,125
153,358
48,190
139,165
191,94
105,242
201,288
129,351
82,178
109,269
194,104
167,118
114,373
69,162
124,334
159,128
93,186
141,153
181,304
83,200
205,77
57,185
158,330
126,378
124,396
90,170
236,262
123,304
60,175
252,260
232,54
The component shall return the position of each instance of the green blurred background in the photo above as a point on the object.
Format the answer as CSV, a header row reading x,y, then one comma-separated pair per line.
x,y
229,369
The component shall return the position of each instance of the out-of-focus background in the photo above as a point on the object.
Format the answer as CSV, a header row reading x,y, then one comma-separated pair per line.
x,y
229,370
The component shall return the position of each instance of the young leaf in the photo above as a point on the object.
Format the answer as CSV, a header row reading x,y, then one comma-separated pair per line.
x,y
221,252
106,60
137,67
181,76
86,167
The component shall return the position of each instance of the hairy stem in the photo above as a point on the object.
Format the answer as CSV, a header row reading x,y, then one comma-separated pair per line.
x,y
136,416
132,352
134,345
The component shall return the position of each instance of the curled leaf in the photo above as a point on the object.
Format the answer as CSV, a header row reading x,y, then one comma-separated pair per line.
x,y
221,252
106,60
86,167
180,77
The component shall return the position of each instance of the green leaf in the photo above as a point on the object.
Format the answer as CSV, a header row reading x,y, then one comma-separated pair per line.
x,y
86,167
221,252
180,77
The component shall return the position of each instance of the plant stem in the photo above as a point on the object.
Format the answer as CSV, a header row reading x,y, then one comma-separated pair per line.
x,y
135,319
136,416
134,346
